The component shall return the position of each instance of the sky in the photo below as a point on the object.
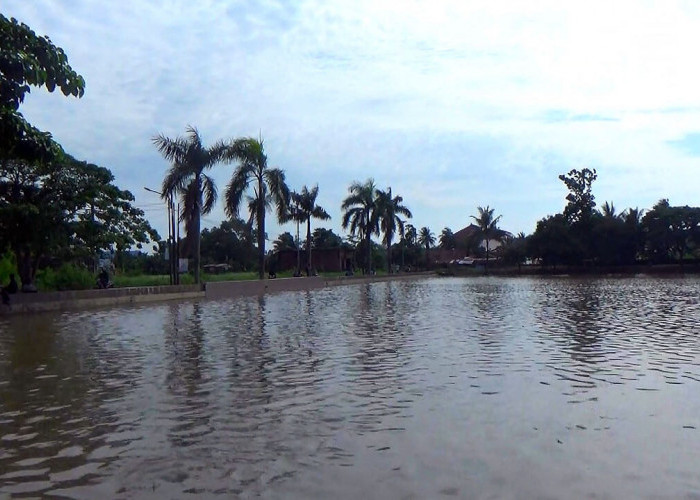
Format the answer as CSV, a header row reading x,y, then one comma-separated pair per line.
x,y
452,104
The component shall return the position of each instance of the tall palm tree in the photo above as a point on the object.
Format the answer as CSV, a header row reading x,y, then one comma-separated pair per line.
x,y
306,209
388,209
266,185
186,179
488,226
359,209
427,239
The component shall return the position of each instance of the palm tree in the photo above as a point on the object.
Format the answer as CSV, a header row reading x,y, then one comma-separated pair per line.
x,y
608,210
267,186
186,178
488,226
447,239
410,235
427,239
306,208
359,209
387,214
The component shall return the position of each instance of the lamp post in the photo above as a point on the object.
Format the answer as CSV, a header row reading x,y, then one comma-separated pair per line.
x,y
172,242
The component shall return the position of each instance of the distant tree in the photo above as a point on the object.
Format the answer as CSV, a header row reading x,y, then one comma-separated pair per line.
x,y
488,226
553,242
427,239
26,60
189,160
581,201
358,216
306,209
230,242
284,241
608,210
325,238
388,210
515,249
447,239
410,235
266,184
671,232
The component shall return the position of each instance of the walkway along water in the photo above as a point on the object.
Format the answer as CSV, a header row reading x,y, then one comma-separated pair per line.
x,y
78,299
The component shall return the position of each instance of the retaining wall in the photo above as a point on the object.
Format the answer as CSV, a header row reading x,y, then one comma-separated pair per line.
x,y
57,301
78,299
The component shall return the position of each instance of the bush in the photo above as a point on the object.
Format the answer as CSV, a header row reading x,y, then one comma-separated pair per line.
x,y
66,277
7,267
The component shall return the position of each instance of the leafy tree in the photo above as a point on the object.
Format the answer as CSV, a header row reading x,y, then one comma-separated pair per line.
x,y
358,216
325,238
410,235
105,216
27,60
671,232
284,241
189,160
306,209
515,249
388,210
231,242
427,239
266,184
553,242
64,208
447,239
488,226
581,201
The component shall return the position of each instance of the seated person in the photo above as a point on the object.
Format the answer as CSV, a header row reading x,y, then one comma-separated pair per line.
x,y
12,286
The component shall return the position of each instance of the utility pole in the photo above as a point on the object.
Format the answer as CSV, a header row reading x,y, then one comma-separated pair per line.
x,y
174,277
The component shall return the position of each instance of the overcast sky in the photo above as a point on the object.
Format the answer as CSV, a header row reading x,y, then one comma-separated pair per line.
x,y
452,104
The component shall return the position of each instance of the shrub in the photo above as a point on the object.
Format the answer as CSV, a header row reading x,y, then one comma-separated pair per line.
x,y
66,277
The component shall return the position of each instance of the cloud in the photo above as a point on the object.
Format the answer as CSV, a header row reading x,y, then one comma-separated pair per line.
x,y
458,105
689,144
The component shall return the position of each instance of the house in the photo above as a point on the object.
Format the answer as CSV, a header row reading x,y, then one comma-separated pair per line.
x,y
322,259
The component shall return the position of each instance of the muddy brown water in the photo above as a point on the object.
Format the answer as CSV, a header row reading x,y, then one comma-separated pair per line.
x,y
467,388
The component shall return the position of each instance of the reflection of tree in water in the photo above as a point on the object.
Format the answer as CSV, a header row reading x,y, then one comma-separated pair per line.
x,y
184,346
573,327
374,379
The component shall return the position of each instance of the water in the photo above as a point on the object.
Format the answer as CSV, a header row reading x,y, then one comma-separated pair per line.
x,y
469,388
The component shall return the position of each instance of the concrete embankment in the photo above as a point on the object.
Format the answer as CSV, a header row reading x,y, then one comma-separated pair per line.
x,y
233,289
58,301
77,299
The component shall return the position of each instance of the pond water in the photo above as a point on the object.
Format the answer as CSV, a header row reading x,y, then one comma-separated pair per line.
x,y
469,388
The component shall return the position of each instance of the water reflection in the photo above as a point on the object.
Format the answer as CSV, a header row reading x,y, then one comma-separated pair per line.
x,y
462,387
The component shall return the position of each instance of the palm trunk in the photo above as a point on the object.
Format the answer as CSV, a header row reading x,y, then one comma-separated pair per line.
x,y
197,241
261,232
388,255
368,236
308,246
197,230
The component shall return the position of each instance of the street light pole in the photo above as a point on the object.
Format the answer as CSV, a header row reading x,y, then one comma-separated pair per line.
x,y
171,236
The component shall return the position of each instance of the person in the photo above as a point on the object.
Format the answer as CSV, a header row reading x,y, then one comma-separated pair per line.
x,y
103,278
12,286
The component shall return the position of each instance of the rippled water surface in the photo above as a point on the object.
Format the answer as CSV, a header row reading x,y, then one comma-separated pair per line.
x,y
470,388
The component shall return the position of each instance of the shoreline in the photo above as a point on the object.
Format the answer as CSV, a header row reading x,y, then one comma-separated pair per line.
x,y
31,303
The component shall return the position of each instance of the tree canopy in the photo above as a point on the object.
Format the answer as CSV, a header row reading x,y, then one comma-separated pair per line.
x,y
29,60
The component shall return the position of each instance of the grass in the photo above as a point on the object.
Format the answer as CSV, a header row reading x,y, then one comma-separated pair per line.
x,y
121,281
